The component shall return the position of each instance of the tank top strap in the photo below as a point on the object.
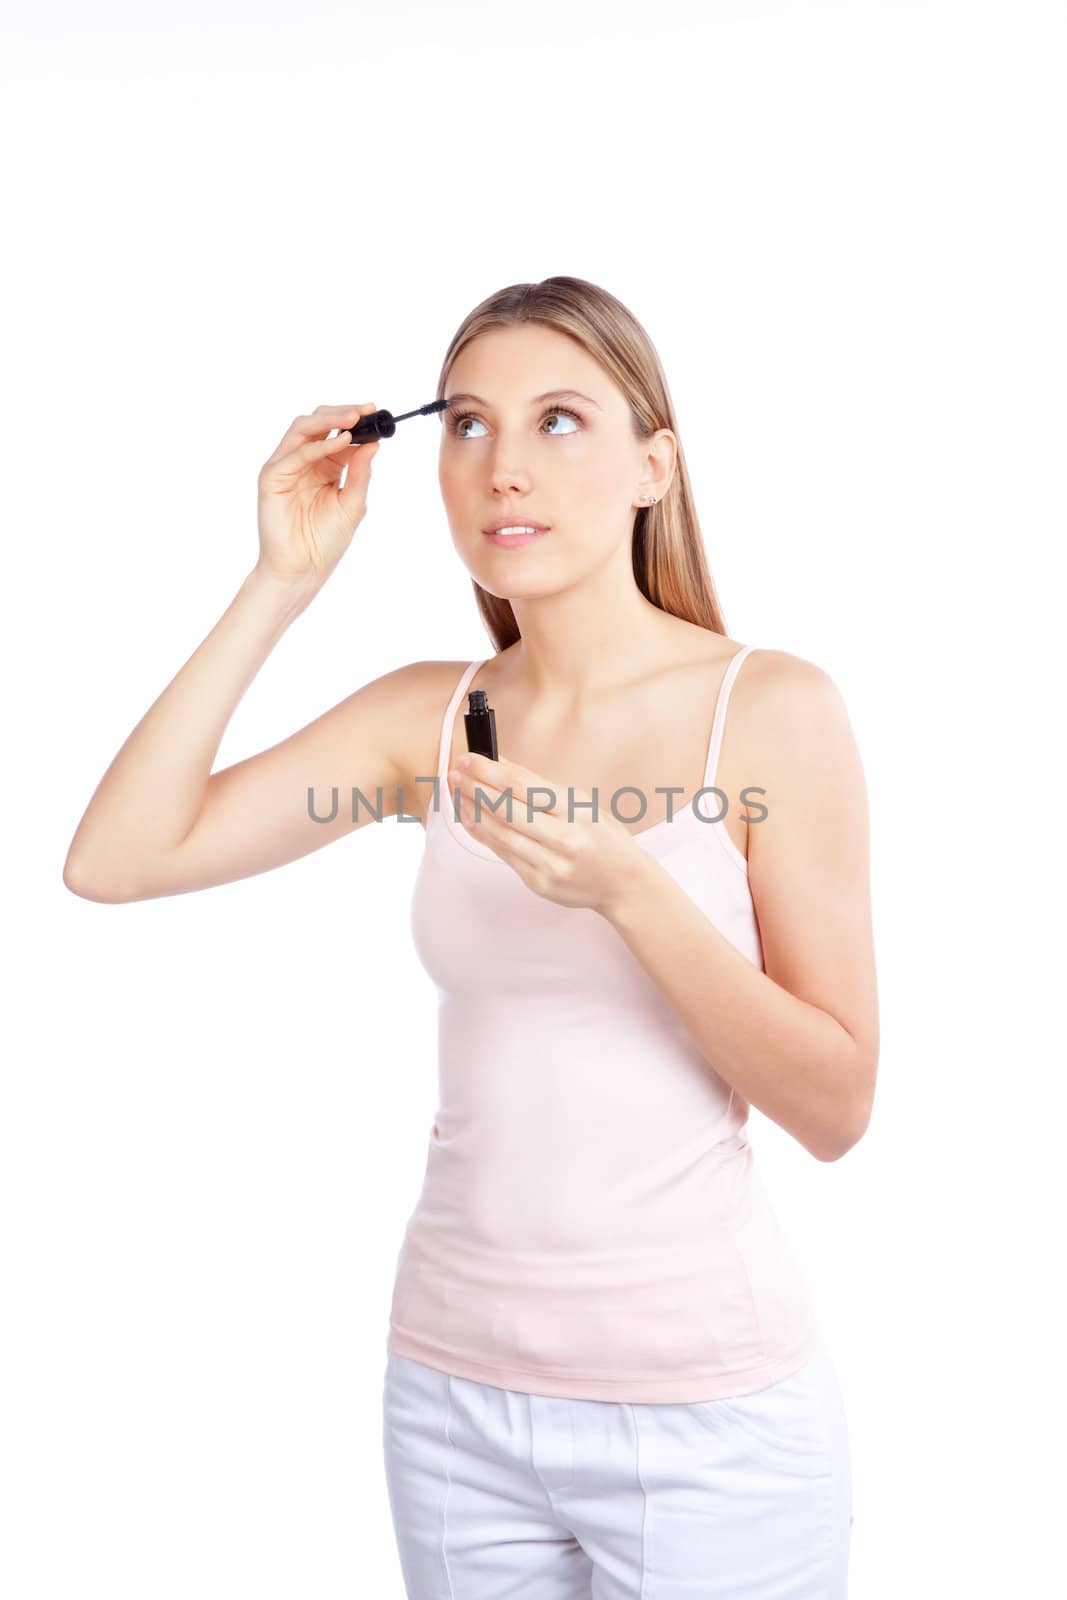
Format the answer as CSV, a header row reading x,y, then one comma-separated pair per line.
x,y
449,718
719,720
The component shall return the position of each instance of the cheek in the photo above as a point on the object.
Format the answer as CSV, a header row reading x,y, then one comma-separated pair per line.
x,y
448,477
595,475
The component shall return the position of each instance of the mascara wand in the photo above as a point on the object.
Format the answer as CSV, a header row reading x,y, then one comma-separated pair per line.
x,y
382,424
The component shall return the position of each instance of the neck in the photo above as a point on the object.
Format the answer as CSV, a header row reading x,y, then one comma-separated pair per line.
x,y
587,640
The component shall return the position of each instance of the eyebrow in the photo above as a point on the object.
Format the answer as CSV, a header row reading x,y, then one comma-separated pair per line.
x,y
550,394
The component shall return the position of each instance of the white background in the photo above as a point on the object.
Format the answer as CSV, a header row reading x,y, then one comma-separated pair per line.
x,y
842,226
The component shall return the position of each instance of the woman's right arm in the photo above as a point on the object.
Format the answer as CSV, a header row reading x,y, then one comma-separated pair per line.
x,y
160,822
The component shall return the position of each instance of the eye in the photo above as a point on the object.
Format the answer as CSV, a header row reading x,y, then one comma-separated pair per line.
x,y
559,412
457,418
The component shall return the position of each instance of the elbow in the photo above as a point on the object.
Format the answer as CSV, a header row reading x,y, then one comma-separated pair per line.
x,y
850,1127
80,882
74,879
834,1152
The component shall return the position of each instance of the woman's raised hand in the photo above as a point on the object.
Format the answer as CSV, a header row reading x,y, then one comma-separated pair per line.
x,y
306,520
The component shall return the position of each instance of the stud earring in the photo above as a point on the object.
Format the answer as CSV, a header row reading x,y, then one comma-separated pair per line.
x,y
648,499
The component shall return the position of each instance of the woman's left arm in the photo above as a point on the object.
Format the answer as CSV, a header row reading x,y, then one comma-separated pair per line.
x,y
800,1039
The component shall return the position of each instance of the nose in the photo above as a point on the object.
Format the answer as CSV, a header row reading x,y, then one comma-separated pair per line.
x,y
508,478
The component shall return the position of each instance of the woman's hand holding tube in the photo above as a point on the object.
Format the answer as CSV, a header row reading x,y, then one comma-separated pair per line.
x,y
306,519
584,862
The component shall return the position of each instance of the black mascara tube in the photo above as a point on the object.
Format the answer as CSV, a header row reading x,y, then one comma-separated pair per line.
x,y
382,424
480,723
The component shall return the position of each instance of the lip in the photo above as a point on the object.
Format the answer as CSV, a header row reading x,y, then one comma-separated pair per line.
x,y
514,541
514,522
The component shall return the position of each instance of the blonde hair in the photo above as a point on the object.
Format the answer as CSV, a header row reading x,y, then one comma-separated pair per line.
x,y
669,562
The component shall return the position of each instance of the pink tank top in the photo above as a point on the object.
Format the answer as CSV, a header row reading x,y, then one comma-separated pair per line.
x,y
590,1223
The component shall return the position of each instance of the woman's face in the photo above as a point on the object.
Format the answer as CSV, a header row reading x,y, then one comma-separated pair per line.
x,y
569,463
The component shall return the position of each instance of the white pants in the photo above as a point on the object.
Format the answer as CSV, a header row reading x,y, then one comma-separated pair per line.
x,y
498,1494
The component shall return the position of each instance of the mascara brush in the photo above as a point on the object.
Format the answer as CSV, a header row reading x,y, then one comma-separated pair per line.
x,y
382,424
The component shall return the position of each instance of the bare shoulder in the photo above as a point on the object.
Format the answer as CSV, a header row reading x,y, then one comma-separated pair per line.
x,y
797,741
418,684
423,690
395,712
784,695
411,692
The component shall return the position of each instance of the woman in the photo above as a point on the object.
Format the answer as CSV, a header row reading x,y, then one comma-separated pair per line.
x,y
604,1375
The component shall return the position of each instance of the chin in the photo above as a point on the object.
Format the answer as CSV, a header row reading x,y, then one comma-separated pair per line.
x,y
513,591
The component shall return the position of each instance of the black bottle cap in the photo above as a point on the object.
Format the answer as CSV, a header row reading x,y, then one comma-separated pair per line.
x,y
379,425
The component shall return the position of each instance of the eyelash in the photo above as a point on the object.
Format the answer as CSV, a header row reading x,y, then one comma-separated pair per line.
x,y
456,417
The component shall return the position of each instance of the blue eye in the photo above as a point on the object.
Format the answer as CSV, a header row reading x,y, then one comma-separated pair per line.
x,y
456,417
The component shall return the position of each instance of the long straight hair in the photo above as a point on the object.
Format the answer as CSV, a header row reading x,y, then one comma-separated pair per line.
x,y
669,562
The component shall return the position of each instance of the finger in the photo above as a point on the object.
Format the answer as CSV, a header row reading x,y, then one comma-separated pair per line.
x,y
355,484
309,454
499,774
507,804
317,423
320,421
515,840
504,772
500,778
